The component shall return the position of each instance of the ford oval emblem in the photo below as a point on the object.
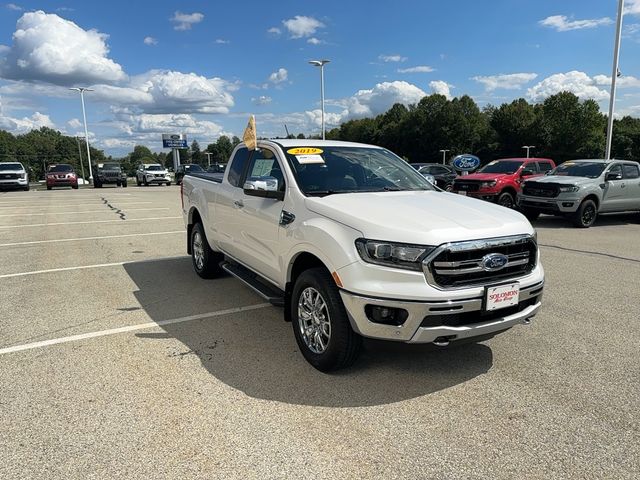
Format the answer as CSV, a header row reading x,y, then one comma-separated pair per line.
x,y
494,262
466,163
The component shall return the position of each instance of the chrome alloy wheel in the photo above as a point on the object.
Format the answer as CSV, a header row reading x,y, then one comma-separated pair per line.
x,y
198,250
313,320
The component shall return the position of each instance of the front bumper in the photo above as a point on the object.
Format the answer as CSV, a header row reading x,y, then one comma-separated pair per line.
x,y
488,196
559,204
14,182
436,320
158,180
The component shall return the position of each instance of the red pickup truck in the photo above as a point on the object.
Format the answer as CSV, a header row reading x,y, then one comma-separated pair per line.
x,y
500,181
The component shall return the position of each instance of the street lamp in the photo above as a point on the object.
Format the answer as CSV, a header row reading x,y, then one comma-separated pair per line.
x,y
614,75
444,156
321,64
86,133
528,147
80,156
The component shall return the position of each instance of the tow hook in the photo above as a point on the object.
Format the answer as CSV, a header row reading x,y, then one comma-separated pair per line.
x,y
441,342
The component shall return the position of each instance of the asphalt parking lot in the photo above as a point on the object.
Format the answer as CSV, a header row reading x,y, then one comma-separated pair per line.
x,y
116,360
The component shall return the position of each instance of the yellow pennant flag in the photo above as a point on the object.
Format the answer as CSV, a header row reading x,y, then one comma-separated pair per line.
x,y
249,136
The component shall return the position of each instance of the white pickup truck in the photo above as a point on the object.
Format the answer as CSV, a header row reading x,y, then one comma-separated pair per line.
x,y
354,243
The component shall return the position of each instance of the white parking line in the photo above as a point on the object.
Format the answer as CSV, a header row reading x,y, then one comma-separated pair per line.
x,y
36,242
80,211
130,328
5,227
84,204
86,267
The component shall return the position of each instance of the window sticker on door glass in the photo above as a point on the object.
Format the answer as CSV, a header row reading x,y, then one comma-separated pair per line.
x,y
309,159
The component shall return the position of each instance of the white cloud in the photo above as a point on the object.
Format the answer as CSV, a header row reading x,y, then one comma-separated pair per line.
x,y
562,23
301,26
26,124
261,100
150,41
632,7
279,76
511,81
578,83
14,7
74,123
418,69
51,49
392,58
184,21
315,41
622,82
441,87
382,97
4,49
274,31
221,41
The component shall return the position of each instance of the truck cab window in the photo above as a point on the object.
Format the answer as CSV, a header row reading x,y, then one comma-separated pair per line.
x,y
237,167
264,163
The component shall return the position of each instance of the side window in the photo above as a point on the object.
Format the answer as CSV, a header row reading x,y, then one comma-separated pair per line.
x,y
530,166
617,169
631,171
237,167
544,167
264,163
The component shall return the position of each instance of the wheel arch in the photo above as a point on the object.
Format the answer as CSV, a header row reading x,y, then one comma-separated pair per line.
x,y
193,218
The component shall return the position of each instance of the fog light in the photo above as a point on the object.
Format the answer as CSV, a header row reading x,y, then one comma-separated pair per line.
x,y
567,204
386,315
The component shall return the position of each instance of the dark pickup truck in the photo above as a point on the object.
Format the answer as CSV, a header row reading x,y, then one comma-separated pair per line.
x,y
109,173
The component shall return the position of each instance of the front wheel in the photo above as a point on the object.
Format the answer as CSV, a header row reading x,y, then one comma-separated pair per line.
x,y
168,184
146,183
138,182
506,200
320,322
206,262
124,184
586,214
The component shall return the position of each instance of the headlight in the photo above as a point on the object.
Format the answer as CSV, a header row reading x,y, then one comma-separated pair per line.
x,y
569,188
488,184
398,255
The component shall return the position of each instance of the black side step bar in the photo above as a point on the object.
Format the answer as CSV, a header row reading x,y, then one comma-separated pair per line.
x,y
272,294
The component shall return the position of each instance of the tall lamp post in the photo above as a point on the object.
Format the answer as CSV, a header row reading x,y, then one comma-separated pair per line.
x,y
614,75
86,133
80,156
444,156
528,147
321,64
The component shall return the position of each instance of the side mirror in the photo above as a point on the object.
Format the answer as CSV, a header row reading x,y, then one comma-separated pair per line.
x,y
265,187
613,176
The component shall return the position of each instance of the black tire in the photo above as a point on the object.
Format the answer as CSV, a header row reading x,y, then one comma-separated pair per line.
x,y
344,345
209,266
97,184
531,214
26,189
49,188
124,184
75,187
138,181
586,214
118,184
505,199
168,184
144,180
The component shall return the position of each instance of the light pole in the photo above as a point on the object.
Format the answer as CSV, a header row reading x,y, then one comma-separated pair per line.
x,y
86,133
321,64
208,154
528,147
80,155
444,156
614,75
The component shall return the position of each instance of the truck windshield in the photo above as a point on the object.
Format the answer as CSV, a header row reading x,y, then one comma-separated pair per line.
x,y
507,166
61,168
11,167
329,170
579,169
111,166
154,167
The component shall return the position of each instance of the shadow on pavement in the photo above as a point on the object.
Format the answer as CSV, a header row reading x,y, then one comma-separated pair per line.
x,y
255,351
603,220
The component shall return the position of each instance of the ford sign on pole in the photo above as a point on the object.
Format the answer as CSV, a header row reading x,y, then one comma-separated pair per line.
x,y
466,163
174,141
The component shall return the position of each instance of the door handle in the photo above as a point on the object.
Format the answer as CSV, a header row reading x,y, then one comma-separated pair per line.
x,y
238,203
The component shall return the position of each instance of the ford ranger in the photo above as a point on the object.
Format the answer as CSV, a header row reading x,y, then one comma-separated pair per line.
x,y
581,189
353,242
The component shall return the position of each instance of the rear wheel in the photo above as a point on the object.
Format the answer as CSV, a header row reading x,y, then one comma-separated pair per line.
x,y
206,262
320,322
586,214
506,200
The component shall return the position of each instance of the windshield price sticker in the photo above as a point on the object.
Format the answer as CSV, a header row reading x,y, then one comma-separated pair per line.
x,y
502,296
309,159
304,151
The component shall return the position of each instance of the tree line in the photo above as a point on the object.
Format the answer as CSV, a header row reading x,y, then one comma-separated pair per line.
x,y
562,128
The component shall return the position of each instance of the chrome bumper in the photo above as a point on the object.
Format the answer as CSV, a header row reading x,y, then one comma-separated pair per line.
x,y
411,331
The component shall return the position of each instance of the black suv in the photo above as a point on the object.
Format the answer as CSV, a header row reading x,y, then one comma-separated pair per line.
x,y
443,174
109,173
183,169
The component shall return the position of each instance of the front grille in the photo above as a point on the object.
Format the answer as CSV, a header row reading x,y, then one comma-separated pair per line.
x,y
111,174
460,264
549,207
159,175
9,176
538,189
466,185
469,318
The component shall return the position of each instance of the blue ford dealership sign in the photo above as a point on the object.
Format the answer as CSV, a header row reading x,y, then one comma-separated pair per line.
x,y
466,163
174,141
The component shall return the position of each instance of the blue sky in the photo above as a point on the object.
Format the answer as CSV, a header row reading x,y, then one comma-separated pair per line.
x,y
201,68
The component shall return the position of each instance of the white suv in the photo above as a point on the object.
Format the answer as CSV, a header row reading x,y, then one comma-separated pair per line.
x,y
152,173
13,174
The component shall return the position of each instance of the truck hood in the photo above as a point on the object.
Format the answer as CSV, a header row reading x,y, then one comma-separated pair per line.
x,y
484,177
565,180
420,217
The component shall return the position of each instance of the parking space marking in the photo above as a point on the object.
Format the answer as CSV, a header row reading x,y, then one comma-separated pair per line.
x,y
130,328
36,242
86,267
5,227
69,204
80,211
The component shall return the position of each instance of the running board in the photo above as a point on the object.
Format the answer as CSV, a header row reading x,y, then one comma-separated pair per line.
x,y
252,280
